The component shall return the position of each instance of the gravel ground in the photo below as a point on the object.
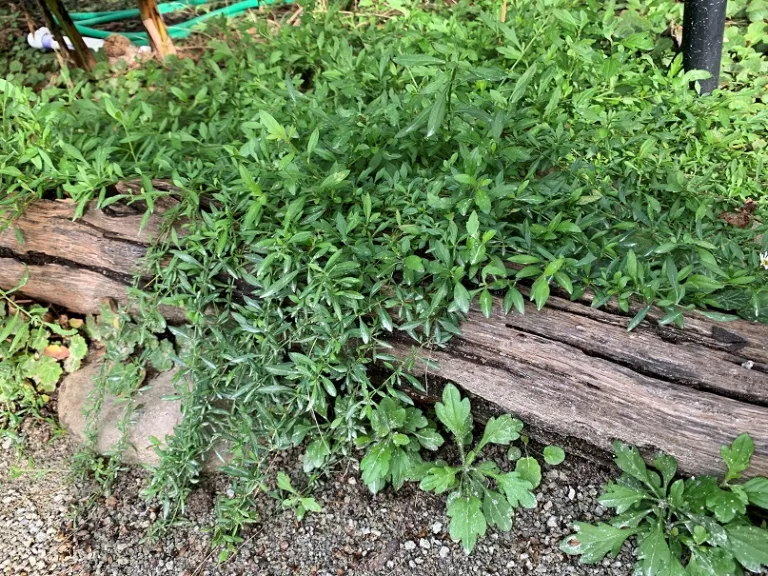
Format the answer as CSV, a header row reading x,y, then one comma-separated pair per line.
x,y
44,529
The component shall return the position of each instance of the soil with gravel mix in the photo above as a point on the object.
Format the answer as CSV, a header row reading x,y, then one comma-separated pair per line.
x,y
45,529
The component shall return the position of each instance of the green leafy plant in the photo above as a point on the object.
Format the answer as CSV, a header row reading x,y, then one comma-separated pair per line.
x,y
300,504
135,348
479,493
34,354
393,449
695,527
367,175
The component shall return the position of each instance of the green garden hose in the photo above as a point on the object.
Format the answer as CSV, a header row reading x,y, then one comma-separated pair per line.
x,y
84,21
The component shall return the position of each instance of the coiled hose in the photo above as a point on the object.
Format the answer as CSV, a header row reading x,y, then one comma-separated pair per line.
x,y
84,21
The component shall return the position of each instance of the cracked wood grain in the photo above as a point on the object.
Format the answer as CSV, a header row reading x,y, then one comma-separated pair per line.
x,y
76,289
109,241
689,360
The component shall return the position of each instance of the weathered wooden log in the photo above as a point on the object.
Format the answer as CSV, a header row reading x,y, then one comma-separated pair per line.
x,y
584,377
569,371
78,265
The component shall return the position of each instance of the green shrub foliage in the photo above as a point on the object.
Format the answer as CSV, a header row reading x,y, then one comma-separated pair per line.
x,y
357,175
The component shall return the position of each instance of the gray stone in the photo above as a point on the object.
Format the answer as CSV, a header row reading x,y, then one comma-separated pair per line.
x,y
153,417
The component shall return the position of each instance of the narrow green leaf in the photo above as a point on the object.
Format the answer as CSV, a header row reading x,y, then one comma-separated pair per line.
x,y
513,298
437,114
639,317
461,297
417,60
473,224
521,85
312,142
279,285
486,303
540,291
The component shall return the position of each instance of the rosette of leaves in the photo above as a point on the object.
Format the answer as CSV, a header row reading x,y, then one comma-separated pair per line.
x,y
479,493
398,433
693,527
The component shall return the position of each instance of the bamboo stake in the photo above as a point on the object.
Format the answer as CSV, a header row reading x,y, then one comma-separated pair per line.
x,y
81,54
159,39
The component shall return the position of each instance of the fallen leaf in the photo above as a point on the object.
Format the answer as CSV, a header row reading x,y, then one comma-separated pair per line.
x,y
75,323
742,218
56,351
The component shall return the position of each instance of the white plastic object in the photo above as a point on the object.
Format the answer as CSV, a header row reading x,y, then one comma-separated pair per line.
x,y
42,39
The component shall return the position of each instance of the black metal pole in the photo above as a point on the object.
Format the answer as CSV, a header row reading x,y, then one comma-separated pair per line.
x,y
703,27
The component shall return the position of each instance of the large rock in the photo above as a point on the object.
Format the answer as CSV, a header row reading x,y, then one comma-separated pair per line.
x,y
154,416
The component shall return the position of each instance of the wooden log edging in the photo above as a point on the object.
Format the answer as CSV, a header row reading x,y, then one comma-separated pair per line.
x,y
569,370
78,264
560,385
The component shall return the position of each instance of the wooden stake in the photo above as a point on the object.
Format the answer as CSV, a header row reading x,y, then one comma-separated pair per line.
x,y
159,39
504,11
51,24
81,54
